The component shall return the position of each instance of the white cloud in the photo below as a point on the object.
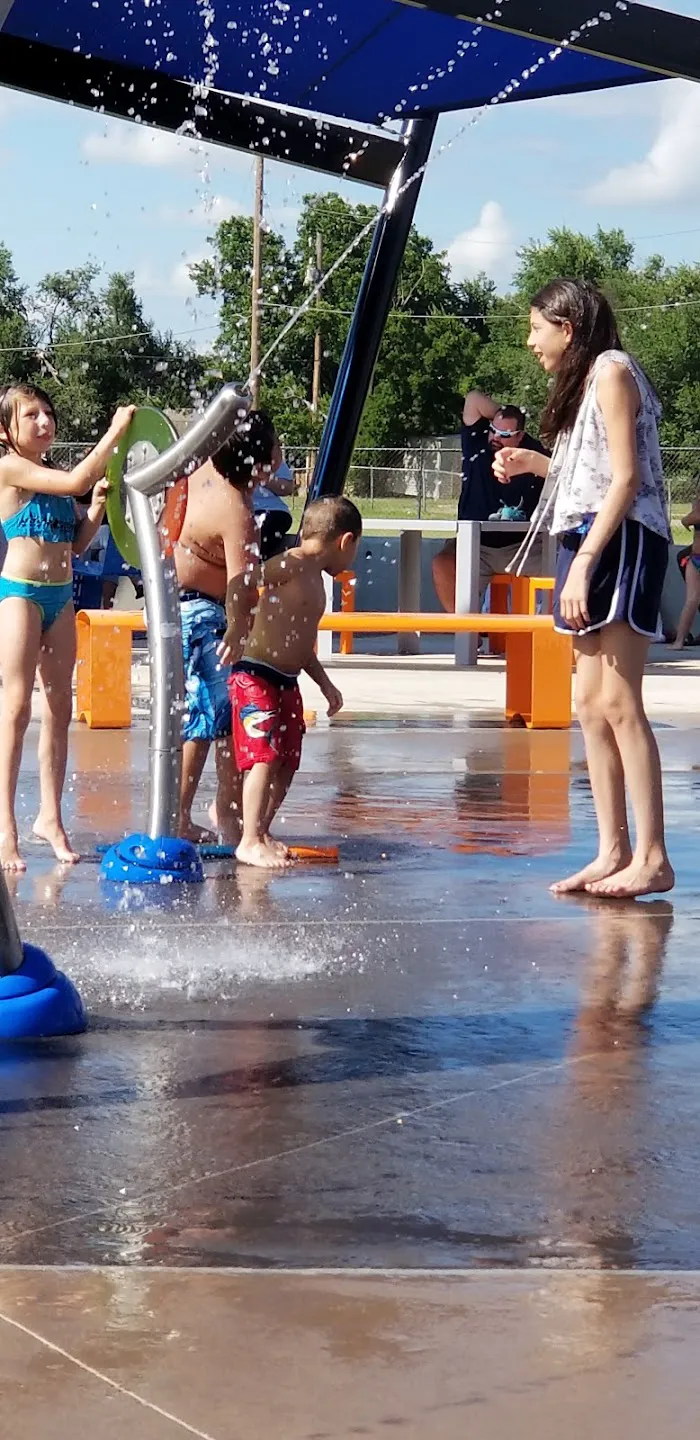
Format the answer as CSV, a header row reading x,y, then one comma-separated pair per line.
x,y
669,172
487,246
206,215
175,282
127,143
284,216
139,145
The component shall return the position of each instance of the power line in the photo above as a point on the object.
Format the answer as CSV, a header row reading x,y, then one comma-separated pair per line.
x,y
489,317
492,315
99,340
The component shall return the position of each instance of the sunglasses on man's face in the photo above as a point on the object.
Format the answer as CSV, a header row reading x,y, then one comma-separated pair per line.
x,y
504,434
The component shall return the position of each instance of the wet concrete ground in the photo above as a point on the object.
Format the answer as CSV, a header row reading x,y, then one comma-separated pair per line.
x,y
417,1061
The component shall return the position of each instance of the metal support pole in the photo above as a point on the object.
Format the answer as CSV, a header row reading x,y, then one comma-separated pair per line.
x,y
11,952
410,549
318,338
256,280
467,587
214,427
167,675
371,313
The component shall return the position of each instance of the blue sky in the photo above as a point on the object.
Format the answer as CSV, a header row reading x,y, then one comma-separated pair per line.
x,y
144,201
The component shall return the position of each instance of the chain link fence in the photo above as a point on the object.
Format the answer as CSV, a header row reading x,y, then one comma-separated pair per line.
x,y
682,474
424,481
418,481
67,454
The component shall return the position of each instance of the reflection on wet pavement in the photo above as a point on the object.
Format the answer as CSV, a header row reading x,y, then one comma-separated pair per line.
x,y
418,1058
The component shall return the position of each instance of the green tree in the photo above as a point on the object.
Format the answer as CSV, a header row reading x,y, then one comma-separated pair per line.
x,y
17,358
425,357
226,276
658,310
98,350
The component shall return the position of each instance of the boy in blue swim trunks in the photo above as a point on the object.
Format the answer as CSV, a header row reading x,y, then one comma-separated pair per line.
x,y
217,544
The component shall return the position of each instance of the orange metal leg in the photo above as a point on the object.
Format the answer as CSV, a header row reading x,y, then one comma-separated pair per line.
x,y
347,606
538,679
500,595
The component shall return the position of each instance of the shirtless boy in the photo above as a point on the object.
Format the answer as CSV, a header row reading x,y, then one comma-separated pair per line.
x,y
217,545
268,715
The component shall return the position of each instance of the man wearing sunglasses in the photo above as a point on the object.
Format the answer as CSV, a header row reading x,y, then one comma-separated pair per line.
x,y
486,428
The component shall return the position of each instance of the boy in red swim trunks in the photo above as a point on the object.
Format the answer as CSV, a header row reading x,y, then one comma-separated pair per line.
x,y
268,715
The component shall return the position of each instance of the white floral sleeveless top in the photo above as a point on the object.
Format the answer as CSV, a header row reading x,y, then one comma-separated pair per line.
x,y
580,474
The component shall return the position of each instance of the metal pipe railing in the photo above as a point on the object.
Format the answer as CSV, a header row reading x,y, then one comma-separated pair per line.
x,y
209,432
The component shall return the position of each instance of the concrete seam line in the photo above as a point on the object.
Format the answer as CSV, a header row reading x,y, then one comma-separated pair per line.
x,y
356,1272
395,1118
106,1379
337,923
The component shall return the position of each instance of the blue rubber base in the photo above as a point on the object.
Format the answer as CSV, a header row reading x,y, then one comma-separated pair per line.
x,y
139,860
38,1001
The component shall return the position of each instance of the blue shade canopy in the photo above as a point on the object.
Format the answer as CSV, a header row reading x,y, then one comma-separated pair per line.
x,y
364,62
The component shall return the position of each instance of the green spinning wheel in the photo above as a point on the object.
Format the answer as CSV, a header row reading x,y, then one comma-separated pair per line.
x,y
149,434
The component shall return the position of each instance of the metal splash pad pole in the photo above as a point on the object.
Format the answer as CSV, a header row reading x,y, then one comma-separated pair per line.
x,y
158,856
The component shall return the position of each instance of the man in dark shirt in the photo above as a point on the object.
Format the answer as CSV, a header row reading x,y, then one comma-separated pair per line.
x,y
486,428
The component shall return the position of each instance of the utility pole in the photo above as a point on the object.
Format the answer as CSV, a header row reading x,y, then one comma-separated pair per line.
x,y
258,217
318,339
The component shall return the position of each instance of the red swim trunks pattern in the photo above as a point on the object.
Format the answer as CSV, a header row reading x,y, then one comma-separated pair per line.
x,y
268,720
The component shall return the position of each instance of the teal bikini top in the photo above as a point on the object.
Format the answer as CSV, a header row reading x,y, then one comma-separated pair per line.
x,y
44,517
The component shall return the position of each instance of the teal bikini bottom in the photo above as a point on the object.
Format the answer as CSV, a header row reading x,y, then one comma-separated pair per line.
x,y
50,600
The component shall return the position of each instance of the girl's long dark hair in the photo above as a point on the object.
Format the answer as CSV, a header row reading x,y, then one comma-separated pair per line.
x,y
9,395
595,330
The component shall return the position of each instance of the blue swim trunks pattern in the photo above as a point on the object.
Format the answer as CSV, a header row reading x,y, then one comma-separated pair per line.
x,y
207,703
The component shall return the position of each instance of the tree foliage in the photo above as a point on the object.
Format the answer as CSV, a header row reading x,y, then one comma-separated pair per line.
x,y
93,346
658,310
426,357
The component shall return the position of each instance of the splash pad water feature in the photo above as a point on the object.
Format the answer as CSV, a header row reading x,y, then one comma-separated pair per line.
x,y
158,856
358,75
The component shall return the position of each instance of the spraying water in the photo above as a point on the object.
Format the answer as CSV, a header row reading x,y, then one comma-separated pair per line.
x,y
396,191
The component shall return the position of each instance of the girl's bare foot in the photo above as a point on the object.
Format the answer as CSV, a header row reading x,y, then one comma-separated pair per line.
x,y
196,834
10,858
598,870
640,877
277,846
260,854
53,834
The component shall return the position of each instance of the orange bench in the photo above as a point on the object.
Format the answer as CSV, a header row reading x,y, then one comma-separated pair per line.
x,y
538,661
517,593
103,667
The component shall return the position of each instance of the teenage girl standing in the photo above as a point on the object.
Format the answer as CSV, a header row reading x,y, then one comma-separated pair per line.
x,y
43,529
606,491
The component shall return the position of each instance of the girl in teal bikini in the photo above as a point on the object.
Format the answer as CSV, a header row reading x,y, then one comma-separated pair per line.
x,y
43,528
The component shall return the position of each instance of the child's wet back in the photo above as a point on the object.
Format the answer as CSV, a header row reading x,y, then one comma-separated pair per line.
x,y
288,613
